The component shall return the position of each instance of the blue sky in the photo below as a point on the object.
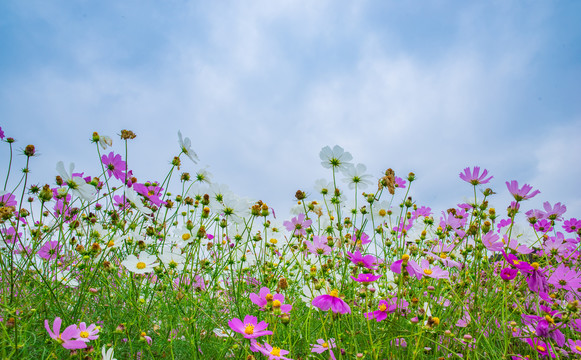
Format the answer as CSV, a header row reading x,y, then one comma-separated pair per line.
x,y
260,87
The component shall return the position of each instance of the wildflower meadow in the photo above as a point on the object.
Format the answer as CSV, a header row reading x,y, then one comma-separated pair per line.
x,y
113,266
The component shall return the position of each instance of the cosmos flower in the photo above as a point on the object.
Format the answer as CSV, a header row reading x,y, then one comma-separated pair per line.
x,y
68,338
75,182
335,159
185,146
355,176
332,301
520,194
142,264
273,353
298,225
114,165
250,328
323,346
318,246
474,177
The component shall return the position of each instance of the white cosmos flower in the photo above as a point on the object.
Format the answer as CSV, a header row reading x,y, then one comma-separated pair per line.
x,y
235,208
186,147
131,195
107,355
336,158
76,183
172,258
142,264
355,175
105,141
324,187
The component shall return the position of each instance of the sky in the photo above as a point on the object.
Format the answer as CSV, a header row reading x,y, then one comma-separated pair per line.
x,y
260,87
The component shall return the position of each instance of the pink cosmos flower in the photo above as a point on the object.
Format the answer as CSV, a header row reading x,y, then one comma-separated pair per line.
x,y
7,199
114,165
367,261
399,182
68,338
88,333
385,307
333,302
9,235
433,272
475,177
273,353
318,246
323,346
565,278
250,328
522,193
554,212
298,225
265,299
49,250
543,226
492,241
574,345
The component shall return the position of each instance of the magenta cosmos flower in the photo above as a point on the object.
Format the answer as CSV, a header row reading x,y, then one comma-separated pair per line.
x,y
332,301
265,299
367,261
115,165
249,328
522,193
152,192
298,225
323,346
474,177
68,338
49,250
366,278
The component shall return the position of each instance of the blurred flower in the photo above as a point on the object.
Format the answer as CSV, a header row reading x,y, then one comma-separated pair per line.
x,y
107,355
298,225
355,176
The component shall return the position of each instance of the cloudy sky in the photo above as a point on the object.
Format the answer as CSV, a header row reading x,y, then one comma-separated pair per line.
x,y
261,86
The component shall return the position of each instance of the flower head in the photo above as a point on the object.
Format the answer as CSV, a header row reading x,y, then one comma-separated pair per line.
x,y
335,159
323,346
522,193
114,165
475,177
298,225
185,146
273,352
142,264
68,338
250,328
332,301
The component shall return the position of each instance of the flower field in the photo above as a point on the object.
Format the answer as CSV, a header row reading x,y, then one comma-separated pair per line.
x,y
111,266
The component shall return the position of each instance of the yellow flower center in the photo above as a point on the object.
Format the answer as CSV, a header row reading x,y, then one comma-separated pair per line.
x,y
276,304
578,347
269,297
150,192
273,241
405,257
550,319
249,329
427,271
325,345
382,212
382,307
275,351
541,348
186,236
143,333
140,265
535,265
334,293
111,243
84,334
443,256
